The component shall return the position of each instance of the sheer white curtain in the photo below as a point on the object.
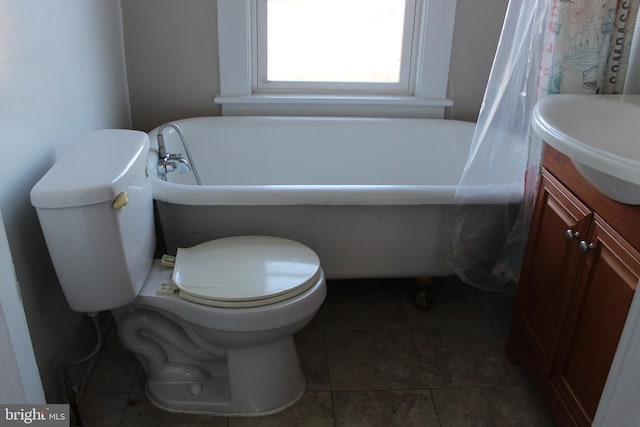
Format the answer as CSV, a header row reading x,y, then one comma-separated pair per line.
x,y
546,46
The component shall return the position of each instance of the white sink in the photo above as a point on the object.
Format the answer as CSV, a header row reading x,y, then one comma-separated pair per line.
x,y
601,136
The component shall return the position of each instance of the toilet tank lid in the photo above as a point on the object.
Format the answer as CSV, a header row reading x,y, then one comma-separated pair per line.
x,y
93,171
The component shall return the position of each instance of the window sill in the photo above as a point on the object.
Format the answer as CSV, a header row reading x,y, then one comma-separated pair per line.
x,y
333,105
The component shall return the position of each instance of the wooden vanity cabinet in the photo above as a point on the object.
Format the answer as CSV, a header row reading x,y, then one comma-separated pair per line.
x,y
542,302
577,282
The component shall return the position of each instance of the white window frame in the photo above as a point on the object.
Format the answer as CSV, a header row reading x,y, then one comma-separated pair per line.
x,y
427,96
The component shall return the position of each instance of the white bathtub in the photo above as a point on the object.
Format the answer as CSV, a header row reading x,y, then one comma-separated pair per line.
x,y
370,196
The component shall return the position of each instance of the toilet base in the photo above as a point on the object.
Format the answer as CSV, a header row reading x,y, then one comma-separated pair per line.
x,y
206,407
249,389
254,374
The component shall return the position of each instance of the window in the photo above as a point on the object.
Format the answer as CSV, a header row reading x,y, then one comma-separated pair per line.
x,y
334,45
354,57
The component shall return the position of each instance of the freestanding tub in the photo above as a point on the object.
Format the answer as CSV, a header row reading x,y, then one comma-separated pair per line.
x,y
370,196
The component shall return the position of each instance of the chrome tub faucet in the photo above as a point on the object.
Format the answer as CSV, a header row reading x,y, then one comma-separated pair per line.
x,y
169,162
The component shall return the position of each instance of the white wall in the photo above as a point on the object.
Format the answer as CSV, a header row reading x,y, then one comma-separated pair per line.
x,y
475,38
62,74
172,58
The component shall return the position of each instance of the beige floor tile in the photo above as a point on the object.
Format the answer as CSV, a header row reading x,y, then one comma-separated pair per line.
x,y
116,367
314,409
385,409
142,413
140,380
465,358
312,352
113,374
515,406
365,357
453,305
360,304
500,308
373,360
102,409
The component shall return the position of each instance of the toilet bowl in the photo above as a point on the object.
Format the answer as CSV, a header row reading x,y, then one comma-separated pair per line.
x,y
212,329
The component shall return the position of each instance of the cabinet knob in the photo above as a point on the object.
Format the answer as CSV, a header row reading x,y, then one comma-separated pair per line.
x,y
570,234
584,246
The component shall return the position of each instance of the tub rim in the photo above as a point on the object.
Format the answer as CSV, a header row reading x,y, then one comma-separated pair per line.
x,y
319,194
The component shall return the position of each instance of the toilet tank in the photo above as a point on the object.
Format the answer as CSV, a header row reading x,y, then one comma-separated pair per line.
x,y
95,207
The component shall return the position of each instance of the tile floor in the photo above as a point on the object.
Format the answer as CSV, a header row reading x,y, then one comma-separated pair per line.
x,y
371,359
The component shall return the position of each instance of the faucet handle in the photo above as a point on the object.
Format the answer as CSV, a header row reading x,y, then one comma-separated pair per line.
x,y
182,167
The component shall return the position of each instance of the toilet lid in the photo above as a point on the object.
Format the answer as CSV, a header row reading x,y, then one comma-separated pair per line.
x,y
246,271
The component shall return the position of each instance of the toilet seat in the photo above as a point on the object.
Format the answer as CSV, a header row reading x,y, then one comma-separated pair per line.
x,y
245,271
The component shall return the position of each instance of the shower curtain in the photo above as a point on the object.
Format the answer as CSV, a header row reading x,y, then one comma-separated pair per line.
x,y
546,47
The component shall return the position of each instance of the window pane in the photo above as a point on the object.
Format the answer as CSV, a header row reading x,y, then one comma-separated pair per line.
x,y
334,40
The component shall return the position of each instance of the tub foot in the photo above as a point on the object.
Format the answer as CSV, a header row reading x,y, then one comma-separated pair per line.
x,y
423,296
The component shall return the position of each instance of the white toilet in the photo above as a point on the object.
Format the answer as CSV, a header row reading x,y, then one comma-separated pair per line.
x,y
214,333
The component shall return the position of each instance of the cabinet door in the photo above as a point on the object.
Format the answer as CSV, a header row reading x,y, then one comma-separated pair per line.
x,y
604,288
549,269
